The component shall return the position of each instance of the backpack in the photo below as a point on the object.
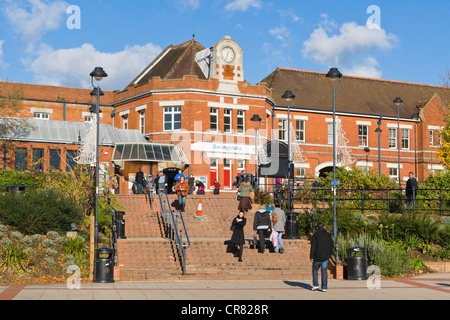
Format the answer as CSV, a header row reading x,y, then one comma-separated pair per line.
x,y
274,218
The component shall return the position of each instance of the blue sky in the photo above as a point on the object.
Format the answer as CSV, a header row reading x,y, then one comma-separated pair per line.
x,y
406,41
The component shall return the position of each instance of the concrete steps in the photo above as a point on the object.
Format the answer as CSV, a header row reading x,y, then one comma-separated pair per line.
x,y
146,255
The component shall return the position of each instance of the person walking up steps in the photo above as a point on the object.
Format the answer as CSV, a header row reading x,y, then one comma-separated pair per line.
x,y
245,200
262,225
279,227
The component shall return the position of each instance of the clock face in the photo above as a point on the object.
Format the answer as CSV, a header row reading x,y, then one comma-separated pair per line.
x,y
227,54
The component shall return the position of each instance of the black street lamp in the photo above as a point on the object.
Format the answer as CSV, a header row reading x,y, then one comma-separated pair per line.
x,y
257,119
416,117
398,102
289,96
98,74
334,74
379,145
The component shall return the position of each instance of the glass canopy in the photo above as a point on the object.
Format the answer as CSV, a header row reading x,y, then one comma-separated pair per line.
x,y
148,152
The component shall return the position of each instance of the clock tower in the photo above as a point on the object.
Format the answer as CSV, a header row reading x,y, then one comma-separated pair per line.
x,y
226,64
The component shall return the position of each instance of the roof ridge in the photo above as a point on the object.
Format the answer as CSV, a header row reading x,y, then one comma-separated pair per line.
x,y
368,78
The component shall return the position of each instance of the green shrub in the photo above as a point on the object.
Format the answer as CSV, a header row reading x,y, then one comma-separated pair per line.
x,y
77,252
13,257
391,260
39,212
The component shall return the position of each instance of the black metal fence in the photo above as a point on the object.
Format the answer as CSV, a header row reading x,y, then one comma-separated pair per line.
x,y
435,201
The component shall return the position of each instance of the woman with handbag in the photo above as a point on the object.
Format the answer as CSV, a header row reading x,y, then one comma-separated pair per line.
x,y
245,192
182,189
238,238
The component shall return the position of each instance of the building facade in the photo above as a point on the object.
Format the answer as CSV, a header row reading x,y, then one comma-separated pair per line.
x,y
191,109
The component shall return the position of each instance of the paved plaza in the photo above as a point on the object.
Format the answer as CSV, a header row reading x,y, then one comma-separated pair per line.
x,y
435,286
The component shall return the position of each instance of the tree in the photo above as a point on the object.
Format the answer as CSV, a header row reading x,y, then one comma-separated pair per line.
x,y
10,106
443,152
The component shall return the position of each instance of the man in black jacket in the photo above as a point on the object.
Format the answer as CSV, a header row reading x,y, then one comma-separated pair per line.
x,y
321,250
139,179
411,191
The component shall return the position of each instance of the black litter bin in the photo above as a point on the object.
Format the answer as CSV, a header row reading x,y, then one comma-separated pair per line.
x,y
120,224
291,228
357,263
104,265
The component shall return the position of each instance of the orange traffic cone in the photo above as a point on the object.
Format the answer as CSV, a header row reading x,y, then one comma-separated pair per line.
x,y
199,210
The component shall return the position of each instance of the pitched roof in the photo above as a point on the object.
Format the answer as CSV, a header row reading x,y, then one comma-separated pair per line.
x,y
53,131
174,62
355,95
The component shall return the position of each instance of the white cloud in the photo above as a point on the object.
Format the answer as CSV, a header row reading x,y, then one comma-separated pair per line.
x,y
2,64
71,67
182,5
347,49
282,34
40,17
243,5
368,68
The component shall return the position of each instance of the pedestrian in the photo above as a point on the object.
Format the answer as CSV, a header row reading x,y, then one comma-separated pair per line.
x,y
262,225
182,189
279,227
162,182
245,202
139,179
179,174
320,253
411,192
200,187
191,183
238,238
216,187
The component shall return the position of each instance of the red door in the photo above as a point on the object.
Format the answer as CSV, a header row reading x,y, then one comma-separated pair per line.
x,y
212,177
227,173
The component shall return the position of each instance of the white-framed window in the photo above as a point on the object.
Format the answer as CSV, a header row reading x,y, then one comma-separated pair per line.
x,y
435,140
282,129
240,121
240,164
300,172
330,132
142,121
41,115
392,138
125,122
172,118
393,173
300,130
363,135
227,127
405,139
213,119
88,118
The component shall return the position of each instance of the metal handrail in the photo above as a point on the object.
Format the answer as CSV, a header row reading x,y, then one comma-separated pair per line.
x,y
170,221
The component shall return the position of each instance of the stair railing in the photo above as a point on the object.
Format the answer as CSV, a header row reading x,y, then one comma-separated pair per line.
x,y
171,230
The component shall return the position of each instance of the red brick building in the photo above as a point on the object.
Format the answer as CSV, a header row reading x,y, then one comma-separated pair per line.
x,y
360,102
191,108
196,98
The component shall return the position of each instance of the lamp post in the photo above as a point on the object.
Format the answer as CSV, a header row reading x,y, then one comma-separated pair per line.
x,y
416,117
334,74
98,74
398,102
289,96
379,145
257,119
